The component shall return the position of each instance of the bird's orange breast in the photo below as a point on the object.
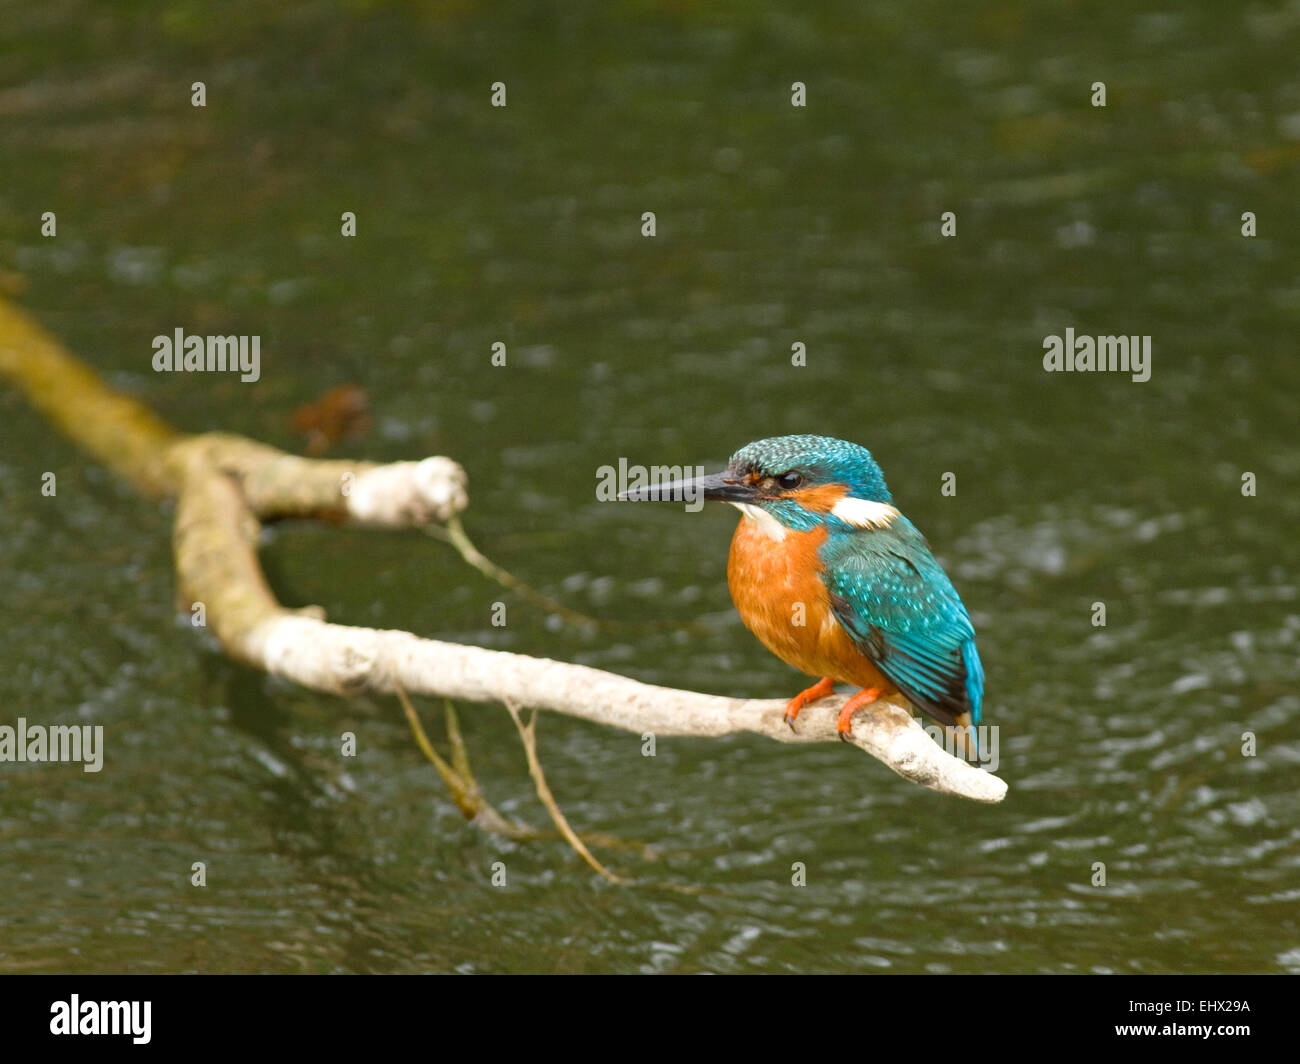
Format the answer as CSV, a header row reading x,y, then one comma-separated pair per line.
x,y
777,586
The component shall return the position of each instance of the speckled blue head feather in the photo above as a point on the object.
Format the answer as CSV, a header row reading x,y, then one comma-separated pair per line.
x,y
821,459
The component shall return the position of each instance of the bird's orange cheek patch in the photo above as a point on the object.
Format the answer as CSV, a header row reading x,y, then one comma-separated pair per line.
x,y
821,499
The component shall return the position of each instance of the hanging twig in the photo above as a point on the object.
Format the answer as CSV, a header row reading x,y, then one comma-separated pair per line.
x,y
528,733
460,781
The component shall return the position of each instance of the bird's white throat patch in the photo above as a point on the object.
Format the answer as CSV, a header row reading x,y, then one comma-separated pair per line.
x,y
767,524
863,513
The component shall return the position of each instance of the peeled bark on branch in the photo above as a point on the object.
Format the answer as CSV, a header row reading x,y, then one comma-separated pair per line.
x,y
227,485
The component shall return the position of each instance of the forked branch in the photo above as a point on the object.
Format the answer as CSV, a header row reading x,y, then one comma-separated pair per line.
x,y
226,486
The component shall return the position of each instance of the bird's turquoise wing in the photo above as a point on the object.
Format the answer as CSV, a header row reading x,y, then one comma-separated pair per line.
x,y
902,611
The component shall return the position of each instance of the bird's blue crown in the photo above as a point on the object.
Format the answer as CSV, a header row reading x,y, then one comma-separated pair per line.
x,y
821,460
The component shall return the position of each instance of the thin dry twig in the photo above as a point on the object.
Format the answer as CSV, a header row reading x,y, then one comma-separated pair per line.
x,y
460,781
468,796
453,532
528,733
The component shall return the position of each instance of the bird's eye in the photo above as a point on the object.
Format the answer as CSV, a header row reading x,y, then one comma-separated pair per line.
x,y
789,481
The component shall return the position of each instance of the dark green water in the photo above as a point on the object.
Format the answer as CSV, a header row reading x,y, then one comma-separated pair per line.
x,y
1121,744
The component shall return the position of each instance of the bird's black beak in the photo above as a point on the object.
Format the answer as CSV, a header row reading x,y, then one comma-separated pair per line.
x,y
716,487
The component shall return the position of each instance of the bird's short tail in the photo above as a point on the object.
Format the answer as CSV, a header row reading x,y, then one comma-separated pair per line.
x,y
966,741
969,720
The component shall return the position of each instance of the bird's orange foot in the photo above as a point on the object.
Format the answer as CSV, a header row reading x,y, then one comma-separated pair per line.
x,y
863,698
820,689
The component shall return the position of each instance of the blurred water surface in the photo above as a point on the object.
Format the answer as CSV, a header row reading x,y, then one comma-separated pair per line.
x,y
776,225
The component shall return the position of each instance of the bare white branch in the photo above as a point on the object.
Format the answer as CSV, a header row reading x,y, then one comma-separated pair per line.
x,y
346,660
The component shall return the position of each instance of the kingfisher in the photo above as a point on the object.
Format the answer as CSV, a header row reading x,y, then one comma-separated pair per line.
x,y
836,582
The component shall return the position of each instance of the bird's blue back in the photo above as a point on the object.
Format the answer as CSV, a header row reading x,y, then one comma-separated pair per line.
x,y
902,611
